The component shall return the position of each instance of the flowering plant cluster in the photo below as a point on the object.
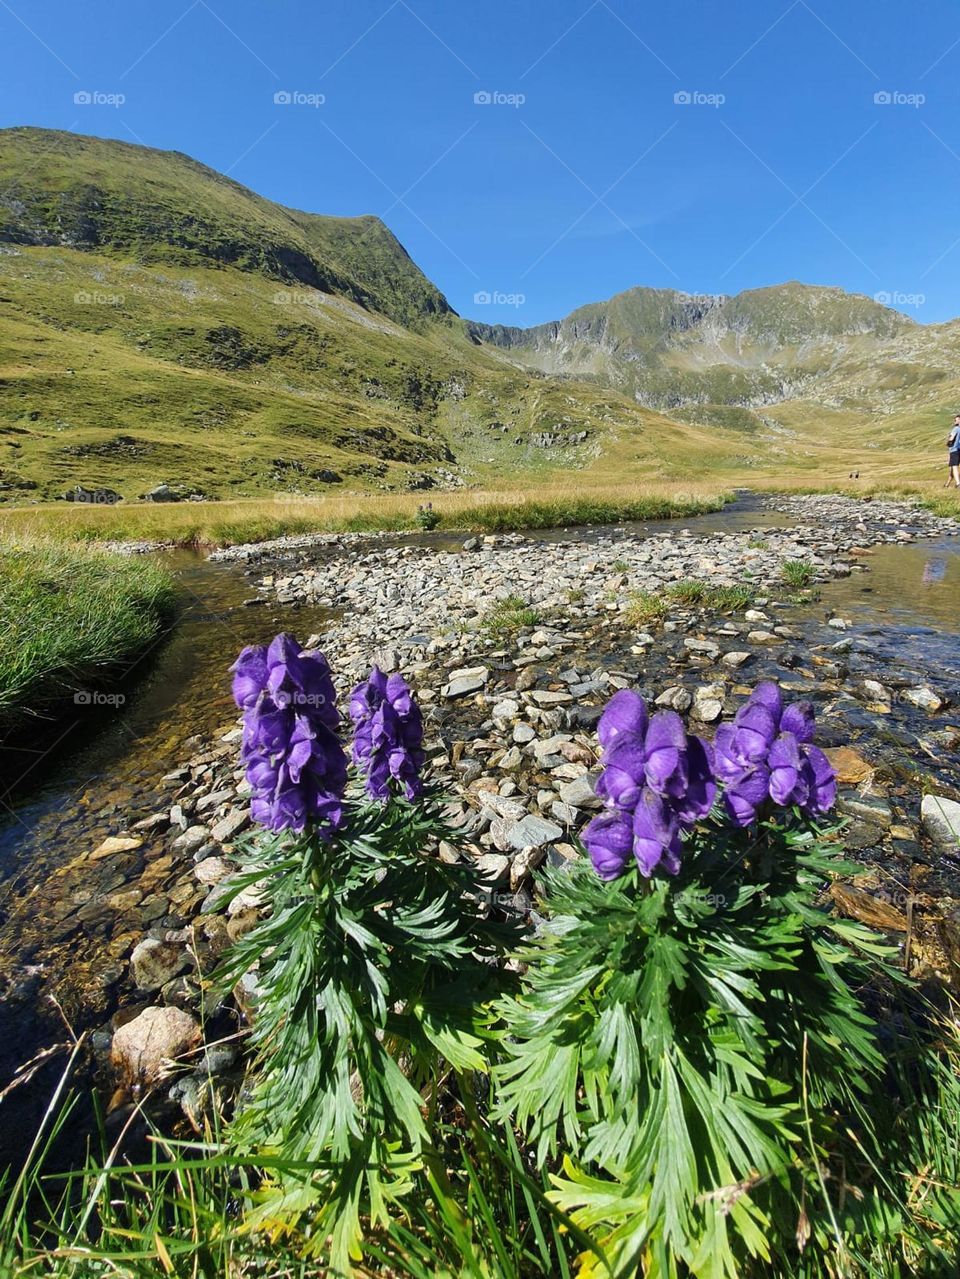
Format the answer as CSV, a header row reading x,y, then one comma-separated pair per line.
x,y
295,762
662,1031
768,753
388,734
373,961
658,781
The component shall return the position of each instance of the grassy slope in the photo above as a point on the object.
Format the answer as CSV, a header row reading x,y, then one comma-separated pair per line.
x,y
69,616
162,206
228,382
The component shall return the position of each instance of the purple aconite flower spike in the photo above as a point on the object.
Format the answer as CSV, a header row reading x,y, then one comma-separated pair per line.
x,y
388,734
609,839
656,835
624,717
293,758
666,746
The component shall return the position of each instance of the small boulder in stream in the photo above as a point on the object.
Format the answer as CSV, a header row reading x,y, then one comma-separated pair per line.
x,y
143,1048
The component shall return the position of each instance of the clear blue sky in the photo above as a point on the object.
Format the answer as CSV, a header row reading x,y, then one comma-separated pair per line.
x,y
598,180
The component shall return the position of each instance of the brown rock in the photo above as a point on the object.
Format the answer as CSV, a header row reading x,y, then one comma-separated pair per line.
x,y
850,768
114,844
144,1048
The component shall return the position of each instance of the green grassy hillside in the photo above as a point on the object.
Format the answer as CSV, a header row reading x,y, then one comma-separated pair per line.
x,y
164,207
162,324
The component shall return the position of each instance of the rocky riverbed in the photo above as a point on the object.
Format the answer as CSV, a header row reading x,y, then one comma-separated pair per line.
x,y
513,645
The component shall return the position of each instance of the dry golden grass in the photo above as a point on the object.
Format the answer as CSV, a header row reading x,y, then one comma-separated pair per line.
x,y
223,523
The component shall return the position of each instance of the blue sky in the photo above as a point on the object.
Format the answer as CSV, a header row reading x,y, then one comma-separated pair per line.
x,y
705,147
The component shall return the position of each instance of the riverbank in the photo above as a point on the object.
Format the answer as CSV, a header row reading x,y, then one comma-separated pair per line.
x,y
223,524
72,619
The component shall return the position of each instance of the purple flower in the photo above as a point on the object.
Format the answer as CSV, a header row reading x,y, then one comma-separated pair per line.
x,y
293,758
701,790
656,781
743,797
388,733
788,783
666,748
821,780
767,753
624,717
623,774
656,835
609,841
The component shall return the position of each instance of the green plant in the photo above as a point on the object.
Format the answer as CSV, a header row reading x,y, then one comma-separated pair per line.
x,y
798,573
427,518
620,566
374,965
694,1050
509,615
643,607
704,595
72,617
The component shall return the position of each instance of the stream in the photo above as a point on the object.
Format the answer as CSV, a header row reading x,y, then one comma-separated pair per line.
x,y
109,773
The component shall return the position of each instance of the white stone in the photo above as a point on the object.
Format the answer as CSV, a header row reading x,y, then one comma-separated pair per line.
x,y
941,819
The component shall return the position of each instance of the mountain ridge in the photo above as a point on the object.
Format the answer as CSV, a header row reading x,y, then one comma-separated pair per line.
x,y
162,324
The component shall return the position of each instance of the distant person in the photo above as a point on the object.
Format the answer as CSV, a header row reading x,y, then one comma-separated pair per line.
x,y
953,444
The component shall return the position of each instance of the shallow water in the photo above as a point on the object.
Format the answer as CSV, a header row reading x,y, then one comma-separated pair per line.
x,y
907,605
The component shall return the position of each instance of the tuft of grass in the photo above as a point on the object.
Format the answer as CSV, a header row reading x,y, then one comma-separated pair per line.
x,y
798,573
71,617
644,607
721,599
620,566
758,544
509,615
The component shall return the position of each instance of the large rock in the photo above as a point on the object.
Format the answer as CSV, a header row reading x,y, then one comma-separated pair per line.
x,y
144,1048
154,963
468,680
532,832
162,493
941,819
